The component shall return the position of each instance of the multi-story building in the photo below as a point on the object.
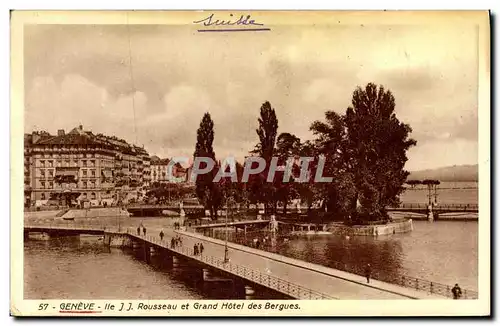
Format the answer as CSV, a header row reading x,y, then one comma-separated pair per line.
x,y
160,173
85,167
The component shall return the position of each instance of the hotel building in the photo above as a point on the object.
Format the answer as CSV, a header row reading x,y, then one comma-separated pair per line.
x,y
99,169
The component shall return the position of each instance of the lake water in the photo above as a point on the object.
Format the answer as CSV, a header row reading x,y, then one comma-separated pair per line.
x,y
442,251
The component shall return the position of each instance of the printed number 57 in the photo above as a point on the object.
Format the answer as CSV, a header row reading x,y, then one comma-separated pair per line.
x,y
43,306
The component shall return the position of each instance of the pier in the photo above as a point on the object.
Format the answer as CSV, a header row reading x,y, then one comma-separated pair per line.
x,y
251,270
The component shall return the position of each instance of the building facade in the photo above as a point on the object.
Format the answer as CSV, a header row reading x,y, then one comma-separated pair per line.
x,y
82,166
160,173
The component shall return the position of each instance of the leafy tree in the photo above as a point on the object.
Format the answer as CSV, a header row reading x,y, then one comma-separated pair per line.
x,y
366,153
206,190
413,183
378,142
287,146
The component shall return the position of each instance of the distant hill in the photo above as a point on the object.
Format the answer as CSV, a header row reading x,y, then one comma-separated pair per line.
x,y
449,173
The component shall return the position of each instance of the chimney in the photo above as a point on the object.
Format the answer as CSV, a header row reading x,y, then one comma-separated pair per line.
x,y
60,132
35,137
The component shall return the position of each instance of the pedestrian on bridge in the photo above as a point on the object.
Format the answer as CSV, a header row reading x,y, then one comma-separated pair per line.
x,y
368,272
144,230
201,248
457,292
138,230
195,249
172,243
161,235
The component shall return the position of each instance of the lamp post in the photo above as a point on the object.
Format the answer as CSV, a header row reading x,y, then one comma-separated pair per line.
x,y
226,258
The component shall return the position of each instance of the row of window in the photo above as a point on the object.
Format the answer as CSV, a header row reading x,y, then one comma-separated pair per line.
x,y
65,163
91,196
50,173
50,184
49,155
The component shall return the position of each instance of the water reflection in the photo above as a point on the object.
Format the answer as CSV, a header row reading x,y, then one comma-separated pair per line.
x,y
444,252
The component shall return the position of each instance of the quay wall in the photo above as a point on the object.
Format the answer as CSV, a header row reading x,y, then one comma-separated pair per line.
x,y
371,230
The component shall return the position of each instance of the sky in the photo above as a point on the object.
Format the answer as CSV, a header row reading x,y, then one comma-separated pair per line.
x,y
151,84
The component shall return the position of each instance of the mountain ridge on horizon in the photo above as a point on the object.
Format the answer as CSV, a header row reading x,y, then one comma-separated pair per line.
x,y
466,172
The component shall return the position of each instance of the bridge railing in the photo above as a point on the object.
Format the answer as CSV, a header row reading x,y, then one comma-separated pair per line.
x,y
267,280
406,281
67,225
439,206
434,287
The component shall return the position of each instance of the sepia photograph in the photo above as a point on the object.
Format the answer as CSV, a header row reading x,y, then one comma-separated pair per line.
x,y
236,161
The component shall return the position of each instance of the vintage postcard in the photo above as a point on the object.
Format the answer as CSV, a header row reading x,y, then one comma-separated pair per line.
x,y
250,163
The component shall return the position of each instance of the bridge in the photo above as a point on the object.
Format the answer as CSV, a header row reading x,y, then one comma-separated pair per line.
x,y
156,210
436,209
252,268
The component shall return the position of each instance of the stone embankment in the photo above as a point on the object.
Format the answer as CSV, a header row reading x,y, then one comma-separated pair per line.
x,y
402,226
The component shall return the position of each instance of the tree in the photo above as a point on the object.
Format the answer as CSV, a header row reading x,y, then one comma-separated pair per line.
x,y
331,143
366,149
413,183
288,146
206,190
267,132
378,142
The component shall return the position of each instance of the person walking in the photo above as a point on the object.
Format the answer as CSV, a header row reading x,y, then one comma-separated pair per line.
x,y
368,272
144,230
457,292
172,243
195,249
201,248
138,230
161,235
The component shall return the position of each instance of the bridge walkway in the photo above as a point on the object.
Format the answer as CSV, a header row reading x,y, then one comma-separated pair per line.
x,y
334,283
275,271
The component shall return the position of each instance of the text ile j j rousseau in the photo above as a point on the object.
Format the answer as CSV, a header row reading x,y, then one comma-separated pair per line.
x,y
91,307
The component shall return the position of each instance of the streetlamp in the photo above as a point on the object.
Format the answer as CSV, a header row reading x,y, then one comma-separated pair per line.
x,y
226,250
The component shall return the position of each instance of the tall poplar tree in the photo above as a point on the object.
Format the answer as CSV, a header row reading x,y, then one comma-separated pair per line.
x,y
267,132
207,191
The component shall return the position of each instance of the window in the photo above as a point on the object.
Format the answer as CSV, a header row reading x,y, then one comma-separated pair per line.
x,y
51,173
92,173
51,185
42,163
42,173
66,163
42,183
92,195
92,162
50,164
84,162
43,196
84,184
84,173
